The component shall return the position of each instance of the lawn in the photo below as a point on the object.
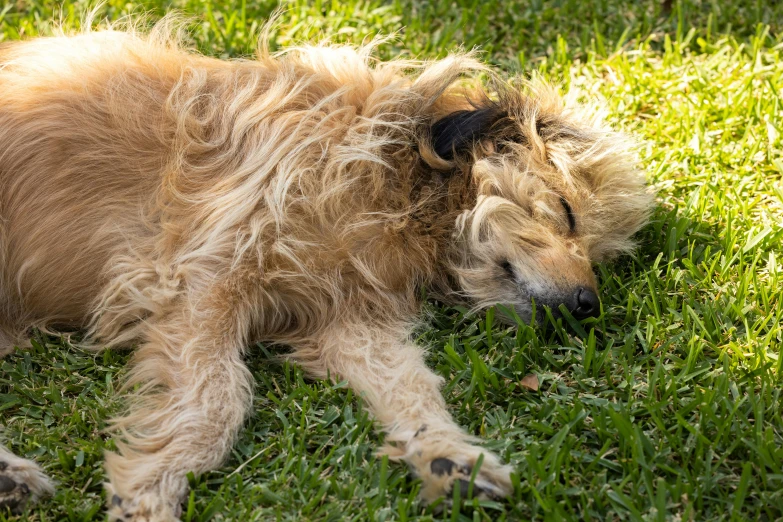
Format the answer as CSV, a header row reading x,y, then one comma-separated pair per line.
x,y
668,408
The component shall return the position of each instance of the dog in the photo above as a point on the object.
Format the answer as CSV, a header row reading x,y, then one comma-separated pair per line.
x,y
189,207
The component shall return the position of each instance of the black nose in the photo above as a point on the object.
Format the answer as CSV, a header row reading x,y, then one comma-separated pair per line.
x,y
587,304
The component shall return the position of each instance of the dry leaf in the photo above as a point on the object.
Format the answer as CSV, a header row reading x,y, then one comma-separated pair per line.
x,y
530,381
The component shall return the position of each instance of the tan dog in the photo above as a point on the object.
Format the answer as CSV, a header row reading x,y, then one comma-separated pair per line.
x,y
191,207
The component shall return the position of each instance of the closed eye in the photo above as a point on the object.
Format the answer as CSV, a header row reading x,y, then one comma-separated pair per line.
x,y
569,214
508,269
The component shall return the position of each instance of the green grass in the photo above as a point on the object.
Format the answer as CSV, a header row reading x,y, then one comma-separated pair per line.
x,y
669,409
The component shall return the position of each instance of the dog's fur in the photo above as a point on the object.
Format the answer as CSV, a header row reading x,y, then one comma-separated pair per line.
x,y
189,206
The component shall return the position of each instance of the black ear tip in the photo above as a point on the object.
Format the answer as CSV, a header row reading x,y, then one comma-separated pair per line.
x,y
458,131
446,134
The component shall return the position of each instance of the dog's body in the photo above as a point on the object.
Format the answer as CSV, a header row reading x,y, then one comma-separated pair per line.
x,y
192,206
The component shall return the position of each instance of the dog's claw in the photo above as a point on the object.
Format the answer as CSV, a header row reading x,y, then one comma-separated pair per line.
x,y
483,491
464,487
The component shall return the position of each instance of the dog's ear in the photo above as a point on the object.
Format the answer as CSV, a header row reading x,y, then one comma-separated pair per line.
x,y
457,132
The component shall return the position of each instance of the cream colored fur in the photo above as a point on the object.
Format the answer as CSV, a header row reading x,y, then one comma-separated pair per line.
x,y
26,473
190,207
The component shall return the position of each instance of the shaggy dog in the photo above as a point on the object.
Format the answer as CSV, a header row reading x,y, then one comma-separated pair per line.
x,y
190,207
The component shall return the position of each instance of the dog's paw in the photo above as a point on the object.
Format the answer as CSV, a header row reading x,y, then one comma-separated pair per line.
x,y
21,481
144,507
446,464
445,475
13,495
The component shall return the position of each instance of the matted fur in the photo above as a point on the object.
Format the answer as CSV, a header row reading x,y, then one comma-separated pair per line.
x,y
191,206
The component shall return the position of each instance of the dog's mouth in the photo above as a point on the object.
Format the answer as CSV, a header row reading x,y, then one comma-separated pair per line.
x,y
581,303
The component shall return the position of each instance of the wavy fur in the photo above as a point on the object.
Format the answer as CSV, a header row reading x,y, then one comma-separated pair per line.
x,y
155,197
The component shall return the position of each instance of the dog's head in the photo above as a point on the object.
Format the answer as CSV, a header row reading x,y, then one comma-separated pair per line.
x,y
552,191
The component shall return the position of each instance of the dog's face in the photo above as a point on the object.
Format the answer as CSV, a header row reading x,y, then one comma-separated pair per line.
x,y
555,192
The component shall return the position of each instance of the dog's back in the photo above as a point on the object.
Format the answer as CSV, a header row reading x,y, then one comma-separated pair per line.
x,y
81,147
120,148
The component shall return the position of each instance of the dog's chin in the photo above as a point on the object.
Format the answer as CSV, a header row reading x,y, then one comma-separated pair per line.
x,y
527,313
514,314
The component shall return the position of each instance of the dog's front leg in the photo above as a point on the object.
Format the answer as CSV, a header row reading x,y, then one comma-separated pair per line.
x,y
404,396
192,396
